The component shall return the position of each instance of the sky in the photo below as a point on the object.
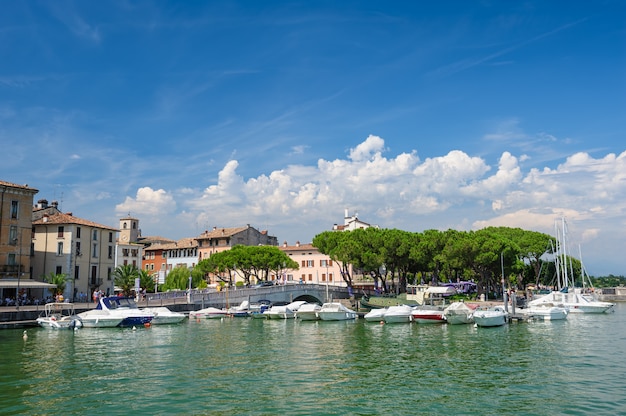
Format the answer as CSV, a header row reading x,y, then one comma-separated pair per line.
x,y
285,114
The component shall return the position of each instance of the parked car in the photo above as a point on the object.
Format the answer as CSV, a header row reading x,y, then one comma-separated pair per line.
x,y
264,283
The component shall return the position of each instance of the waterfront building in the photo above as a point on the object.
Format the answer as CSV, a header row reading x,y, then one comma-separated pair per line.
x,y
16,203
222,239
314,267
82,250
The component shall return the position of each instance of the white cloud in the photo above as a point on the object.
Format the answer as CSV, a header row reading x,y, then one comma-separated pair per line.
x,y
148,202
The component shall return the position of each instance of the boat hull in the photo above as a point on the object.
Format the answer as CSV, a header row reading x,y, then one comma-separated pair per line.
x,y
337,316
428,317
490,318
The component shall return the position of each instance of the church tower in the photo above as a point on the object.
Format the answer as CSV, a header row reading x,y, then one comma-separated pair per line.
x,y
129,230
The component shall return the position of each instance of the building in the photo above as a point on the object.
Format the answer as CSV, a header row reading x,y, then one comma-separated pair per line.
x,y
82,250
128,249
16,275
315,267
351,223
222,239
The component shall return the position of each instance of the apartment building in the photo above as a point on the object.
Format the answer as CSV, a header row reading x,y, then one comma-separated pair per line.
x,y
221,239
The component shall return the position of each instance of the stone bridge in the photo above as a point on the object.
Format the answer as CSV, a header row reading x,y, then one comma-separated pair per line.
x,y
279,294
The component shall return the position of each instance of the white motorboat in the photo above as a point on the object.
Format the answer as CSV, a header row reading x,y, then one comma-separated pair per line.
x,y
308,312
428,316
284,311
59,316
375,315
545,312
127,309
97,318
163,315
208,313
494,316
398,314
335,311
458,313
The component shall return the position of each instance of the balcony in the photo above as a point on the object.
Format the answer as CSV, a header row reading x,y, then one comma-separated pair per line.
x,y
11,269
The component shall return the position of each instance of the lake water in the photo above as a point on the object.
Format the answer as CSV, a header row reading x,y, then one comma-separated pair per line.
x,y
249,366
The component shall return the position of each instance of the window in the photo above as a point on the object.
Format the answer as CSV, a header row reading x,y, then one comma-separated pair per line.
x,y
109,272
13,235
323,277
310,263
60,231
110,252
125,252
134,252
134,225
76,274
95,235
310,277
11,259
60,248
59,270
94,250
78,248
110,237
15,209
77,232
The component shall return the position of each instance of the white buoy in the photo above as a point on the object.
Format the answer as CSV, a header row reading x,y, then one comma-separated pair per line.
x,y
134,329
25,335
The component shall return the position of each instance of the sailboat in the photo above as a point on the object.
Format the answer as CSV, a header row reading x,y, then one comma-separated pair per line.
x,y
575,300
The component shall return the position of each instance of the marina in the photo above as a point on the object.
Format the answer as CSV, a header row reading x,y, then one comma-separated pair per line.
x,y
289,366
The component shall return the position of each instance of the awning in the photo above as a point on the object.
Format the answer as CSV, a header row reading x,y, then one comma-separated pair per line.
x,y
25,284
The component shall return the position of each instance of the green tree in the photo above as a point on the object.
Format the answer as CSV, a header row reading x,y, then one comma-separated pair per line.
x,y
124,277
58,279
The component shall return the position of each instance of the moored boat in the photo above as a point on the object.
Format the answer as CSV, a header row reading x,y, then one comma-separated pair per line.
x,y
59,316
125,308
97,318
375,315
208,313
494,316
428,316
458,313
398,314
335,311
163,315
308,312
545,312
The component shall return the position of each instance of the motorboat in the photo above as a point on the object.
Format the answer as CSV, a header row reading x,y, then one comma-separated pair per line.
x,y
258,313
59,316
284,311
458,313
375,315
398,314
208,313
127,309
308,312
428,316
494,316
240,311
546,312
163,315
97,318
335,311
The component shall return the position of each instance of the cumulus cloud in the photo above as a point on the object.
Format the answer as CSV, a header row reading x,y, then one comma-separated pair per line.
x,y
148,202
456,190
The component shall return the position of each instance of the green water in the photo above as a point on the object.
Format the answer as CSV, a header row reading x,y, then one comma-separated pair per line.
x,y
245,366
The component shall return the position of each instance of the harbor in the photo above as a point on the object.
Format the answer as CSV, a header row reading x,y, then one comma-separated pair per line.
x,y
250,366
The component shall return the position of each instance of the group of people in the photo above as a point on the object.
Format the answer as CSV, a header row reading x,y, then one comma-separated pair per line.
x,y
97,294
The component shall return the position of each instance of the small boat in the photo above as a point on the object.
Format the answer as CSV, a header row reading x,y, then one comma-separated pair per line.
x,y
545,312
284,311
574,301
335,311
376,315
428,316
208,313
97,318
494,316
308,312
458,313
398,314
258,313
163,315
125,308
240,311
59,316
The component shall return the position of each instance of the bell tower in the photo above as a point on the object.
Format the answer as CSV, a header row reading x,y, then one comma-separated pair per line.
x,y
129,230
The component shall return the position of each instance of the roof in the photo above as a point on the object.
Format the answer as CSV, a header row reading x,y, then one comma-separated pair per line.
x,y
298,247
221,232
182,243
15,185
61,218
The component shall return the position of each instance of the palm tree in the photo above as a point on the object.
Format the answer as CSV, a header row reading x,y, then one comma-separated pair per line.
x,y
58,279
124,278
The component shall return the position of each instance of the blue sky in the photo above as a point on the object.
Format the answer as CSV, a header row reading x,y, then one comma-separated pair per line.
x,y
281,115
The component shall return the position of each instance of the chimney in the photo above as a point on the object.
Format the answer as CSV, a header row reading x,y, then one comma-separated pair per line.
x,y
285,243
45,217
297,244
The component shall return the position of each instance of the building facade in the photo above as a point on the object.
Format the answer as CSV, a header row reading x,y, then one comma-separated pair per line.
x,y
82,250
128,249
221,239
16,203
314,267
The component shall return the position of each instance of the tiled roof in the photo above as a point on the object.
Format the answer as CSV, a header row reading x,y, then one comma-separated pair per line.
x,y
61,218
298,247
15,185
221,232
